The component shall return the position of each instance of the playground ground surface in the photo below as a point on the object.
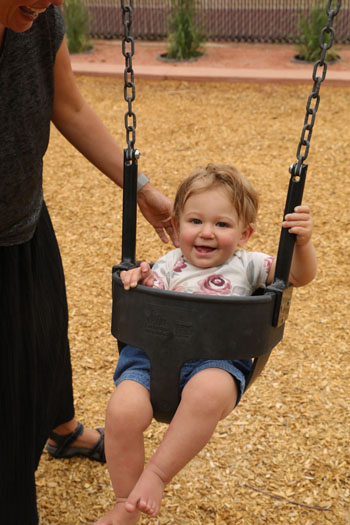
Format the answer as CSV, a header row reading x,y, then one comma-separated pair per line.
x,y
282,457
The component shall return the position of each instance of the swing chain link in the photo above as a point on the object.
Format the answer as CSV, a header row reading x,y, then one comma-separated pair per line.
x,y
128,49
310,115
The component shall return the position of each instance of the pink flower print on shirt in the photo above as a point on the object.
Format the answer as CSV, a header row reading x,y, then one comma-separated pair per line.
x,y
267,263
215,284
180,264
179,289
158,281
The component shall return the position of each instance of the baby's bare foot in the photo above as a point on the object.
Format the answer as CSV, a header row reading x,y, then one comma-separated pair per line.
x,y
119,516
147,493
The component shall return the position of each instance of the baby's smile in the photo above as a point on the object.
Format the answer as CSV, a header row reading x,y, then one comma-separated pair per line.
x,y
204,249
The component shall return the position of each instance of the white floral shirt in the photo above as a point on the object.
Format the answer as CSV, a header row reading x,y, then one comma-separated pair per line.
x,y
242,274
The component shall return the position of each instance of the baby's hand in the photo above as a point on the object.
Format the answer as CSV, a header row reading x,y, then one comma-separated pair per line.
x,y
299,223
142,273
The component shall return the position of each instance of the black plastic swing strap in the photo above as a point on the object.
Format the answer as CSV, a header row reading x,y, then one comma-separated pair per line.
x,y
287,240
129,212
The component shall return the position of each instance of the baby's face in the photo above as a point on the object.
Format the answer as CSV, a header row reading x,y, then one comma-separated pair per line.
x,y
209,228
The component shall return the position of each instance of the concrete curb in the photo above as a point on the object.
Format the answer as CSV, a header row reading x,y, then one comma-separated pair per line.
x,y
166,72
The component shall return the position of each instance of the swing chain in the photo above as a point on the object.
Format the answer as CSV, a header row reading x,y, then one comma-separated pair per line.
x,y
310,115
129,84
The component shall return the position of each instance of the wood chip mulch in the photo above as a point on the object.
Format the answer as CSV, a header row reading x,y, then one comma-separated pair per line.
x,y
283,456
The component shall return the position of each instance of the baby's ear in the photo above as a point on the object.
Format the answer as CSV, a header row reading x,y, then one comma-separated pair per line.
x,y
246,234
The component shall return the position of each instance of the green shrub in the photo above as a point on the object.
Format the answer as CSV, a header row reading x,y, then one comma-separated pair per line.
x,y
310,28
184,38
77,22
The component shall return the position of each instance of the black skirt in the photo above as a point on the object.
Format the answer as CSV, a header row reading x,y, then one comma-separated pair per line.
x,y
35,370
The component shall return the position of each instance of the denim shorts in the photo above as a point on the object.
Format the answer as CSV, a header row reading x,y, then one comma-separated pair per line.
x,y
133,364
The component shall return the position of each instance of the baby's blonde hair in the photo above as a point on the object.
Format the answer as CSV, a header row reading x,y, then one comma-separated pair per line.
x,y
241,193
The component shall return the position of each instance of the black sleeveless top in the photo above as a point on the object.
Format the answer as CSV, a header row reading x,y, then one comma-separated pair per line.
x,y
26,99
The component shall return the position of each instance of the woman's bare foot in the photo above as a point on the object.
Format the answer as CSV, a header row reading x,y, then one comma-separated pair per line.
x,y
119,516
147,493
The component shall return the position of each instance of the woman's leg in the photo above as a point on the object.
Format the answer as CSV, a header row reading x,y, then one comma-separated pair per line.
x,y
129,413
209,396
35,371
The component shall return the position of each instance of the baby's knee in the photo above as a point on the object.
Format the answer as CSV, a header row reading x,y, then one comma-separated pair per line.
x,y
203,399
128,413
213,391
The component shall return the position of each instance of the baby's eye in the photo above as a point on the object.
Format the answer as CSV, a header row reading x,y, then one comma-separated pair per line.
x,y
222,224
195,221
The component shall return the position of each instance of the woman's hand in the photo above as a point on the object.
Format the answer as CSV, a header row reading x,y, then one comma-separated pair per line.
x,y
157,209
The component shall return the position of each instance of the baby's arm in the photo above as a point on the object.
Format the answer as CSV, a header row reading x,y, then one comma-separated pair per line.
x,y
304,263
142,274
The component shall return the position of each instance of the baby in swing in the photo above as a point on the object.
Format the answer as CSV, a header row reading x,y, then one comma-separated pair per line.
x,y
215,213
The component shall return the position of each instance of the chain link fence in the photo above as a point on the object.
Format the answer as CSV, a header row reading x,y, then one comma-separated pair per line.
x,y
221,20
